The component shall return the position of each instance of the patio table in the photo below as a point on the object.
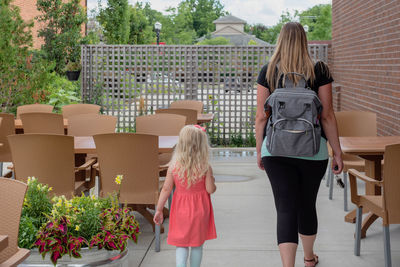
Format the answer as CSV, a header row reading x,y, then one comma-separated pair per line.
x,y
3,242
371,149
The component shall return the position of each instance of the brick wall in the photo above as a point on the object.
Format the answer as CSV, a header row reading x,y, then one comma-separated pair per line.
x,y
29,12
366,58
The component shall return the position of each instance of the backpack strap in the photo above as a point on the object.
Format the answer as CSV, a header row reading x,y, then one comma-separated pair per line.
x,y
289,83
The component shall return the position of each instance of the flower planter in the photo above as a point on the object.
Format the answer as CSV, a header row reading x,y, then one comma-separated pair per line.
x,y
90,257
73,75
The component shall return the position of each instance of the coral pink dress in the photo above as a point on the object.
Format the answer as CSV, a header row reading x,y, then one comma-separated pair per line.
x,y
191,220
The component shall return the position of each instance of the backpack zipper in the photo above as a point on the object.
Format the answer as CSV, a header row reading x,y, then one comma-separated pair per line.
x,y
314,95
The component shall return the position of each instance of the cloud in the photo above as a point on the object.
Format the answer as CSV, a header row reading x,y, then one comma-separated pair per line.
x,y
266,12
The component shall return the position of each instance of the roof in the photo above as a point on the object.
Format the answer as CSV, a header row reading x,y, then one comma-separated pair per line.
x,y
238,39
229,19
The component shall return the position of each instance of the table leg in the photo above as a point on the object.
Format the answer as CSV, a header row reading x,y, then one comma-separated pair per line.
x,y
80,159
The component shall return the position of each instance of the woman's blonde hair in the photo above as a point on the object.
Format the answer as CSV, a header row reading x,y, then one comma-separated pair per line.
x,y
191,154
290,55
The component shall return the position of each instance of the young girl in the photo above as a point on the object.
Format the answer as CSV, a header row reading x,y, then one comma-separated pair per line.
x,y
191,220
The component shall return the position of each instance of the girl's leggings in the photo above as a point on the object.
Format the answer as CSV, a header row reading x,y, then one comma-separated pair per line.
x,y
295,183
182,253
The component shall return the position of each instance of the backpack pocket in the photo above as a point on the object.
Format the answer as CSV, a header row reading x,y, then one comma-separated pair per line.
x,y
292,138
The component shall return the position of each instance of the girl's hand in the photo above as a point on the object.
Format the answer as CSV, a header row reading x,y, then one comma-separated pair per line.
x,y
337,161
259,162
158,217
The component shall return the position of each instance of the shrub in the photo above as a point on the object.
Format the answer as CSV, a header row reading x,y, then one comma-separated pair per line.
x,y
62,92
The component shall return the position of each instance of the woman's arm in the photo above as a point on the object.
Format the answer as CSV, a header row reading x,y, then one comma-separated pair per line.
x,y
330,127
165,192
261,121
210,181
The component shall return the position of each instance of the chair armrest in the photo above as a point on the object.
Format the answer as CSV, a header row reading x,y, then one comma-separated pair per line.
x,y
163,167
86,165
16,258
96,166
365,178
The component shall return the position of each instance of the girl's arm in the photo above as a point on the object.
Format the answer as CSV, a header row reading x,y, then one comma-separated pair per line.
x,y
330,127
210,181
165,192
261,121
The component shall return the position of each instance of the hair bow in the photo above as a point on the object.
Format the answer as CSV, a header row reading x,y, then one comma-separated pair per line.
x,y
199,127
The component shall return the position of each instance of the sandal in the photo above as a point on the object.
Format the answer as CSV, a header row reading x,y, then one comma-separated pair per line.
x,y
311,263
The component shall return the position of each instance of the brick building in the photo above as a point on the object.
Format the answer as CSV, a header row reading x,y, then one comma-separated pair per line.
x,y
29,11
366,59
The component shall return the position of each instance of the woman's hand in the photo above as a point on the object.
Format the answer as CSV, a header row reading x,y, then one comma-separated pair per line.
x,y
259,162
158,217
337,161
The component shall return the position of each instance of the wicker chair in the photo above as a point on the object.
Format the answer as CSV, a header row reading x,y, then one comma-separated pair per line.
x,y
43,108
189,104
42,123
49,158
135,156
12,195
387,205
78,109
91,124
351,123
191,114
7,127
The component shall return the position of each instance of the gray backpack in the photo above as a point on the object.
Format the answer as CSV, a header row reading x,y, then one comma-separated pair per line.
x,y
293,127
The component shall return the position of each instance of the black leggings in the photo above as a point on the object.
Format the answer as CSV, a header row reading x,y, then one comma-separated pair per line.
x,y
295,184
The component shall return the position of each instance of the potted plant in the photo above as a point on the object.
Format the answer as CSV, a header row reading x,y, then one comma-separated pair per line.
x,y
89,230
72,70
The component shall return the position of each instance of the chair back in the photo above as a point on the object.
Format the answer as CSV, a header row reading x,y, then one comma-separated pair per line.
x,y
78,109
91,124
42,123
12,194
160,124
391,183
7,127
43,108
356,123
135,156
191,114
189,104
49,158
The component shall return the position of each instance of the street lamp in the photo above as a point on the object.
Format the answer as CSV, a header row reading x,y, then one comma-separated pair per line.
x,y
305,28
158,26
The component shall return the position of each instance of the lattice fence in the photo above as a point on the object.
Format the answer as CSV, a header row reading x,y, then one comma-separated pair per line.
x,y
129,81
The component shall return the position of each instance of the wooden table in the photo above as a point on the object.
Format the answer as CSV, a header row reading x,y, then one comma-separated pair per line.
x,y
371,149
3,242
86,145
204,118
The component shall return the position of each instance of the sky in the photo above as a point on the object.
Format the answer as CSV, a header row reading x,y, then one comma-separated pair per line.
x,y
266,12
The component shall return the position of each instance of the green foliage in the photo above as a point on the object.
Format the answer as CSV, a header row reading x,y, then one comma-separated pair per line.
x,y
73,66
115,21
141,32
37,206
62,33
215,41
252,42
62,92
319,20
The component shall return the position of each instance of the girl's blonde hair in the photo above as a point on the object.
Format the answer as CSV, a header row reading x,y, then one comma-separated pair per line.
x,y
290,55
191,154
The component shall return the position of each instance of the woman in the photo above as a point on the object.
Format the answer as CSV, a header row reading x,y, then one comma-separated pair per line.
x,y
295,180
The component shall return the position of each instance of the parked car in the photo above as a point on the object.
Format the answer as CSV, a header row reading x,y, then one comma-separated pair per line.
x,y
161,78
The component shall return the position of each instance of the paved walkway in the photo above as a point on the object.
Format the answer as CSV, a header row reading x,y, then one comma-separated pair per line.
x,y
246,225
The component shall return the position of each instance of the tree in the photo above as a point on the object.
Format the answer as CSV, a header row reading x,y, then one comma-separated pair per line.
x,y
141,32
319,21
215,41
115,21
23,77
62,31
